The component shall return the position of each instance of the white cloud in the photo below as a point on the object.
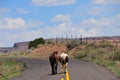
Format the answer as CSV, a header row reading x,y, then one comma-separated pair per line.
x,y
2,44
88,27
66,28
103,22
18,23
52,2
3,12
9,38
62,29
95,10
103,26
17,29
106,1
22,11
12,23
34,23
59,17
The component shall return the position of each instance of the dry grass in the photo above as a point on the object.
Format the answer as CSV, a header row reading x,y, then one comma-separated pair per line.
x,y
9,69
104,53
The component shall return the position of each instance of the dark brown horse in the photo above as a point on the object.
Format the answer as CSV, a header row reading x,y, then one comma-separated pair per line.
x,y
54,58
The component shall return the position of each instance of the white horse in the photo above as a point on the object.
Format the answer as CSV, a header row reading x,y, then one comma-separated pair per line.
x,y
64,61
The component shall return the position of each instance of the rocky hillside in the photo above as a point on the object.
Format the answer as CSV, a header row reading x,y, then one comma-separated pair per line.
x,y
21,46
45,50
5,49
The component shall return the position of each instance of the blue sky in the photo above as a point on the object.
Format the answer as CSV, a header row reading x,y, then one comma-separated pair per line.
x,y
25,20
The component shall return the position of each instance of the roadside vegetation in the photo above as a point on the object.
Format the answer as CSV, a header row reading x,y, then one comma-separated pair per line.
x,y
103,53
36,42
10,69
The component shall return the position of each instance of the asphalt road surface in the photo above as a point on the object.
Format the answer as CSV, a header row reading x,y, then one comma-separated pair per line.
x,y
38,69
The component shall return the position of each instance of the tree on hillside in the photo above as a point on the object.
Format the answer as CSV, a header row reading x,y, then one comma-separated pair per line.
x,y
36,42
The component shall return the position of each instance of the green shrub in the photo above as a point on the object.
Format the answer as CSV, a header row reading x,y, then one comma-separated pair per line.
x,y
72,44
50,42
80,54
117,55
90,45
36,42
105,44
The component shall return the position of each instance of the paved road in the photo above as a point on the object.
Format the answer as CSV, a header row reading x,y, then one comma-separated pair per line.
x,y
78,70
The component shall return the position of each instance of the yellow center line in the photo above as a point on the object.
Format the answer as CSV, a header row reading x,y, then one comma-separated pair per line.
x,y
62,79
67,76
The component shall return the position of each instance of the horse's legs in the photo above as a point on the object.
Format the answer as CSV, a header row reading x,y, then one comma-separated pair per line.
x,y
56,68
63,68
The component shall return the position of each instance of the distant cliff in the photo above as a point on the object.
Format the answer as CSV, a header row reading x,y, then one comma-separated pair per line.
x,y
20,46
